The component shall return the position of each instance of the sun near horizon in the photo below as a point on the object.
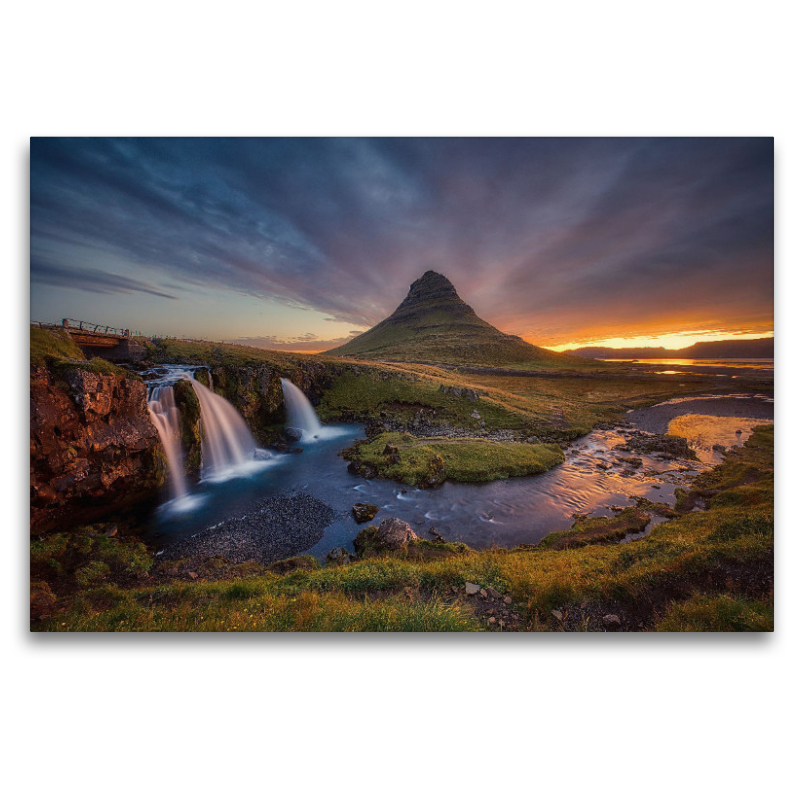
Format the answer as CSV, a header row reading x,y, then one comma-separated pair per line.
x,y
669,341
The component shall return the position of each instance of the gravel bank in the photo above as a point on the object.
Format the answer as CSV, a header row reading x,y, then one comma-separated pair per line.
x,y
274,529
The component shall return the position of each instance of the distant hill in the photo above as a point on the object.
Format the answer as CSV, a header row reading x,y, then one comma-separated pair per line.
x,y
433,324
728,348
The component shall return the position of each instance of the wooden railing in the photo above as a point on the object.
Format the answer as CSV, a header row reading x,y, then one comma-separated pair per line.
x,y
90,327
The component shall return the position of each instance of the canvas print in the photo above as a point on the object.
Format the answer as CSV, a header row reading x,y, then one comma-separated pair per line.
x,y
510,385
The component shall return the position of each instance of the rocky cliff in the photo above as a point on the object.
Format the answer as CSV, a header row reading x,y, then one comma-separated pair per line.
x,y
92,445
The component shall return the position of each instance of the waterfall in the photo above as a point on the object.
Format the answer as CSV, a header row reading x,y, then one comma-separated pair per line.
x,y
228,445
167,421
300,411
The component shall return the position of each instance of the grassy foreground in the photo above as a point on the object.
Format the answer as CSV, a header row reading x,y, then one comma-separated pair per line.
x,y
707,570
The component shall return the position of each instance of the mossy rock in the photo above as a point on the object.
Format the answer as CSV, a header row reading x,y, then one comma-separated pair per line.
x,y
191,428
286,565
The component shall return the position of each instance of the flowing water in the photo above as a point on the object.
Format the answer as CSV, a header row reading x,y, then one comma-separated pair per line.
x,y
228,447
167,420
299,411
594,479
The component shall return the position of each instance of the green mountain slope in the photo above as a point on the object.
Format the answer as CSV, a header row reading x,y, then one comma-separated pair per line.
x,y
433,324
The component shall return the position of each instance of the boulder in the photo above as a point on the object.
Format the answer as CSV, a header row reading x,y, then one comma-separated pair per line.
x,y
393,534
460,391
293,434
339,556
435,535
364,512
612,622
471,588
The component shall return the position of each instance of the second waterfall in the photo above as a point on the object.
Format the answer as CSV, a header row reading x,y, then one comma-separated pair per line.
x,y
300,412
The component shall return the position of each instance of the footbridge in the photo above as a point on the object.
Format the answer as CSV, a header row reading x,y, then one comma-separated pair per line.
x,y
114,344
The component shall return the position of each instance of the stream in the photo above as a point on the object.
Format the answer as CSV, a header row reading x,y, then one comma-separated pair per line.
x,y
594,480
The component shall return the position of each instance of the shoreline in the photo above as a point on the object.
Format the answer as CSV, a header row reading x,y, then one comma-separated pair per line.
x,y
274,529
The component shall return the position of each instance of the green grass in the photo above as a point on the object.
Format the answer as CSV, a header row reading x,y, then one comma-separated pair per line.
x,y
556,408
53,348
704,613
179,351
598,530
220,607
86,555
431,461
49,345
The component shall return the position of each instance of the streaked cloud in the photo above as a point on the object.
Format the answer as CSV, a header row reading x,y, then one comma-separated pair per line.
x,y
553,239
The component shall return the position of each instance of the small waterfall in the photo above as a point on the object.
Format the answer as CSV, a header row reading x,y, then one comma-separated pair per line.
x,y
299,410
228,447
167,421
227,442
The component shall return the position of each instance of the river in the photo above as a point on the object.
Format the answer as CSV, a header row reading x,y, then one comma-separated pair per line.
x,y
593,479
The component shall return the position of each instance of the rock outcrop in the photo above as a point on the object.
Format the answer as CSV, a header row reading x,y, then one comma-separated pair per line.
x,y
391,535
191,429
93,447
364,512
255,390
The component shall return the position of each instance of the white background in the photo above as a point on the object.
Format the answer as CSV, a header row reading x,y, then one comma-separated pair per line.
x,y
396,716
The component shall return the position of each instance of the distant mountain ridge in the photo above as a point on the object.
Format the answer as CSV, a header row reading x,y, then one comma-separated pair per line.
x,y
433,324
728,348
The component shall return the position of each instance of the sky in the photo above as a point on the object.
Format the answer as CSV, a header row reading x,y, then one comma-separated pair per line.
x,y
303,243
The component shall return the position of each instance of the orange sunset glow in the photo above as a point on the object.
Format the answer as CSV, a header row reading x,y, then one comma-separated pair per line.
x,y
669,341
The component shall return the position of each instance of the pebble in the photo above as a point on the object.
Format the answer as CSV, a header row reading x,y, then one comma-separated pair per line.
x,y
271,530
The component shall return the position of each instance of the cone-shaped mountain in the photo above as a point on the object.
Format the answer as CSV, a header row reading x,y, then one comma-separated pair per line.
x,y
433,324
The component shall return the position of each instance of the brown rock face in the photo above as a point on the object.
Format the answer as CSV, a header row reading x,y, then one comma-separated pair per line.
x,y
93,447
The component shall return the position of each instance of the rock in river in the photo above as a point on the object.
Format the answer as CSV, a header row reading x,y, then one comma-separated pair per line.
x,y
393,534
364,512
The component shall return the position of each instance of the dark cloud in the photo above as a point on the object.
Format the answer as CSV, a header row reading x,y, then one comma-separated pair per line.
x,y
91,280
542,236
